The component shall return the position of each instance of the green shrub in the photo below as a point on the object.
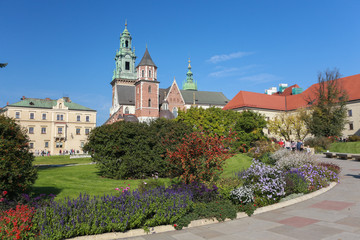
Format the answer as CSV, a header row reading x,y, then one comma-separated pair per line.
x,y
248,208
226,185
318,142
220,209
126,150
354,138
17,173
149,184
262,149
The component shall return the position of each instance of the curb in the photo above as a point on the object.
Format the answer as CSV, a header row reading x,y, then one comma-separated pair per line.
x,y
202,222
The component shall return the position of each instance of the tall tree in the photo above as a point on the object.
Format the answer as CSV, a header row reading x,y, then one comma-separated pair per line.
x,y
328,115
2,65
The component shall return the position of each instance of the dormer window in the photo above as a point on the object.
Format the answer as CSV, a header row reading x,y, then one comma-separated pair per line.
x,y
142,73
149,73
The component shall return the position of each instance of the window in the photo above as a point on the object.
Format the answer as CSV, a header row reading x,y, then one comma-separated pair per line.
x,y
59,144
46,144
149,89
126,110
32,115
149,73
78,118
127,65
142,73
60,130
87,131
149,103
175,112
17,115
126,43
78,131
31,130
351,126
82,144
43,130
31,145
44,116
60,117
88,118
350,113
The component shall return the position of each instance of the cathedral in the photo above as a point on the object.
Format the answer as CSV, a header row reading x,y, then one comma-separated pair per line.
x,y
136,95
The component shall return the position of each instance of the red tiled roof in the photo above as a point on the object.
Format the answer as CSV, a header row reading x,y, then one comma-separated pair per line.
x,y
291,102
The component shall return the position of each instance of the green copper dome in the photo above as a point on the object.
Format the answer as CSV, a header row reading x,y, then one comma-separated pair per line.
x,y
189,83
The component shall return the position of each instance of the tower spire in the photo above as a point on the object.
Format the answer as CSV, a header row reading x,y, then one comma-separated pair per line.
x,y
189,83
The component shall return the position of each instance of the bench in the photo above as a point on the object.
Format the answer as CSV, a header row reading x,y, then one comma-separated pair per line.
x,y
356,157
344,155
330,154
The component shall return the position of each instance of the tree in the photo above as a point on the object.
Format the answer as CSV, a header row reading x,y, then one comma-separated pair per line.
x,y
290,125
249,128
328,115
212,120
2,65
17,172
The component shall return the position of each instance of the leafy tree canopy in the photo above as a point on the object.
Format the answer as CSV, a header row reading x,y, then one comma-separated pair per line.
x,y
328,115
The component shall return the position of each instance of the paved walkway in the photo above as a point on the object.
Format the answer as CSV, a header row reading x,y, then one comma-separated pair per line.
x,y
332,215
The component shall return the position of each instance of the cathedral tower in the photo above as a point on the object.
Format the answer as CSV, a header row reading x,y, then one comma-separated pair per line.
x,y
125,72
146,90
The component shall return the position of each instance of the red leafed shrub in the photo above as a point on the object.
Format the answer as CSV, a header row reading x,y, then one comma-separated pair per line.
x,y
17,223
199,157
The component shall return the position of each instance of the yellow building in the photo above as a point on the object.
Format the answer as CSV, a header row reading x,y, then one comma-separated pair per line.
x,y
54,126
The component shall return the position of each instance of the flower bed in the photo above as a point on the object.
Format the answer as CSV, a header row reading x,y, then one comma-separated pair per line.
x,y
260,185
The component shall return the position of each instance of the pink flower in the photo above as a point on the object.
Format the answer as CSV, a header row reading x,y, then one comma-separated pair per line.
x,y
4,193
145,183
117,189
1,199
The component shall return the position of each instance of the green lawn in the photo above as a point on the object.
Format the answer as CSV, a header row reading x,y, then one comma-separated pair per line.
x,y
62,159
235,164
72,180
345,147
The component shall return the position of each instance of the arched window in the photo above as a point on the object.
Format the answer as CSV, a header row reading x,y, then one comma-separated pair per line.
x,y
149,73
126,110
142,73
126,43
175,112
149,90
60,105
149,103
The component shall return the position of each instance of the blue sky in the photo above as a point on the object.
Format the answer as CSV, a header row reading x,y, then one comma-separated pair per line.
x,y
67,48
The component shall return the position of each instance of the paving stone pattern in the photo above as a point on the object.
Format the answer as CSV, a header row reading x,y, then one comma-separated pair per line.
x,y
334,215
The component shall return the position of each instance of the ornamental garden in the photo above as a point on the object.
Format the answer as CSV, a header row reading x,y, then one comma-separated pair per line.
x,y
204,164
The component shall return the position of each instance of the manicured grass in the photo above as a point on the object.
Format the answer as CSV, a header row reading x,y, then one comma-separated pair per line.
x,y
61,159
345,147
235,164
73,180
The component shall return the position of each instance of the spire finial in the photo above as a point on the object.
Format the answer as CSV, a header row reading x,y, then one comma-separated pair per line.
x,y
125,23
146,45
189,67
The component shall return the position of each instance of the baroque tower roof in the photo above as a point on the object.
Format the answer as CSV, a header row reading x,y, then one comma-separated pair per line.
x,y
189,83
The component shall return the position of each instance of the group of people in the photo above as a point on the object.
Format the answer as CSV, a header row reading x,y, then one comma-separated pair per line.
x,y
66,152
293,145
42,153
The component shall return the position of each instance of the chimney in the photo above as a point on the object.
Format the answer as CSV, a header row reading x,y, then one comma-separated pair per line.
x,y
23,98
7,103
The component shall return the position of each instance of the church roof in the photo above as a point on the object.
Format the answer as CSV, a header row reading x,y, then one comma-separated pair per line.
x,y
204,97
146,60
125,95
48,103
291,102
